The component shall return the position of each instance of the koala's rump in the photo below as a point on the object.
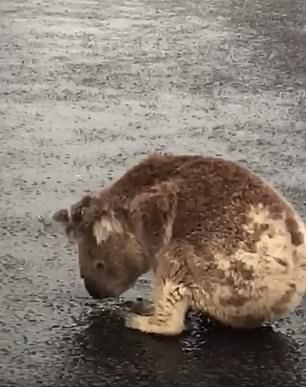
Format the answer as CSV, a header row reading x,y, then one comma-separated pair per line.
x,y
245,244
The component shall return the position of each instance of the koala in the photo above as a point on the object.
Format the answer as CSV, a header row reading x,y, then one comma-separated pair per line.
x,y
218,238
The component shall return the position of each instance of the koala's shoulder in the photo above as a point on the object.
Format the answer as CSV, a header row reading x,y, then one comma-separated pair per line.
x,y
153,170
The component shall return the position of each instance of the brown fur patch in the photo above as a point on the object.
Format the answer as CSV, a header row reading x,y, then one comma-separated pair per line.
x,y
297,238
235,300
152,214
242,270
282,304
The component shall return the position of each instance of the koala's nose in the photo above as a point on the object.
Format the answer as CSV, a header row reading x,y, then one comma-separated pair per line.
x,y
92,289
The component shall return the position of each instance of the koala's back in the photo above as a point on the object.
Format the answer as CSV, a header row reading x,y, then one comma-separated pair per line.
x,y
215,196
243,243
218,198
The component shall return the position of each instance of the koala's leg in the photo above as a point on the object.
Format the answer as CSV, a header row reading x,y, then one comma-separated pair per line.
x,y
169,309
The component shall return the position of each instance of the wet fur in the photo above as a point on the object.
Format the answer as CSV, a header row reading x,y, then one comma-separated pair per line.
x,y
218,238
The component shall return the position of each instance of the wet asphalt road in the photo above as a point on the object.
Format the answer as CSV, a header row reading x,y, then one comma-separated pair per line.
x,y
87,88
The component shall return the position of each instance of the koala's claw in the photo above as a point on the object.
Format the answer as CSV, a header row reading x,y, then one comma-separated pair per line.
x,y
141,323
133,321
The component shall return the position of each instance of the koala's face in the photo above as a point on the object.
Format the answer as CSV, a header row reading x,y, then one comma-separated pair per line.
x,y
110,267
110,258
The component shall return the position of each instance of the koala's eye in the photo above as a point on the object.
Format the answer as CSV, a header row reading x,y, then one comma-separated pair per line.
x,y
100,266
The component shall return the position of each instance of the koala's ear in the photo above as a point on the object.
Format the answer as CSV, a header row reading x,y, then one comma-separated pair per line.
x,y
78,208
78,219
84,214
61,216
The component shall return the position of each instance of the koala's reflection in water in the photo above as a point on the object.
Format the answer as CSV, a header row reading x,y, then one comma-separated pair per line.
x,y
206,355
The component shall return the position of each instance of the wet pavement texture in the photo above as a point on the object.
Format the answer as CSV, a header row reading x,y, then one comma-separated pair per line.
x,y
86,89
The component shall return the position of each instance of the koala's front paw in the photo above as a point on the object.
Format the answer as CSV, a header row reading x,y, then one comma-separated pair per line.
x,y
136,321
145,308
151,324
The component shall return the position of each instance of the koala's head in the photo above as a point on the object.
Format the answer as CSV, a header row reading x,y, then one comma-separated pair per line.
x,y
110,258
